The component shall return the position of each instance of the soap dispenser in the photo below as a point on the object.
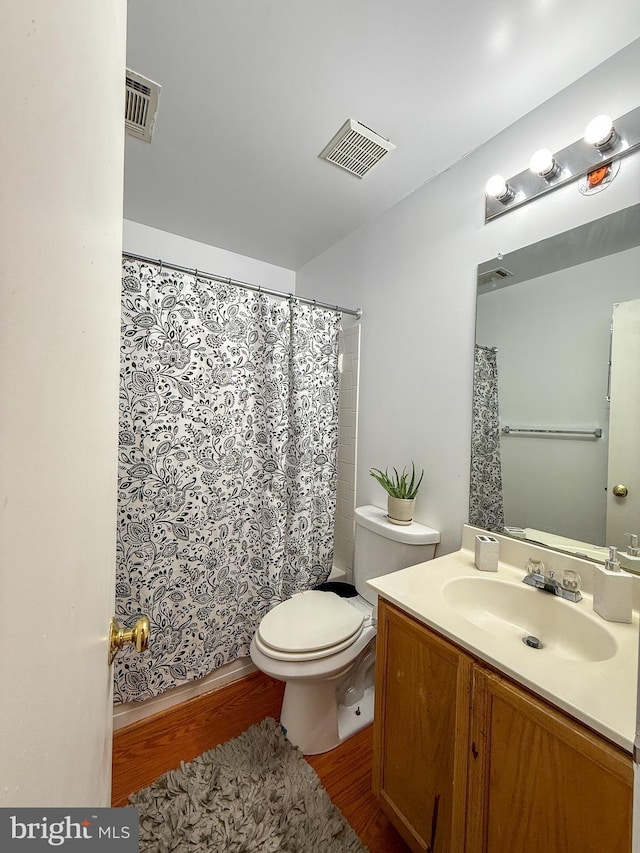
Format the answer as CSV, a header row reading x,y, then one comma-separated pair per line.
x,y
612,590
633,550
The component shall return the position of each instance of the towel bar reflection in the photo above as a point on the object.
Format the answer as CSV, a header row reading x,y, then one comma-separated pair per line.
x,y
596,433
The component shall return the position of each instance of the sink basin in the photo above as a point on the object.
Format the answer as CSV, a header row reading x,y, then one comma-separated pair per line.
x,y
513,610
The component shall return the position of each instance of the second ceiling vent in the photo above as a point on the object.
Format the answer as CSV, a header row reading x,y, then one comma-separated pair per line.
x,y
356,148
141,105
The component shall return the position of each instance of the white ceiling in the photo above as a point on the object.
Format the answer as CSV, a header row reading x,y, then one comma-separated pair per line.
x,y
252,90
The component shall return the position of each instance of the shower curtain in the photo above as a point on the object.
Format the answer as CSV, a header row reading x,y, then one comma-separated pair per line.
x,y
486,506
227,467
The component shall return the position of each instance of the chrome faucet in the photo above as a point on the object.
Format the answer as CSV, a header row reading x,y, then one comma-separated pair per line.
x,y
568,588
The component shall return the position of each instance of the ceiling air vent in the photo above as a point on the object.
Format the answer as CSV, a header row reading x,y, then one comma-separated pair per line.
x,y
356,148
141,106
492,276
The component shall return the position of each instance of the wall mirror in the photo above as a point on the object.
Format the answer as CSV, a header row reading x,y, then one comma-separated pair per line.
x,y
556,435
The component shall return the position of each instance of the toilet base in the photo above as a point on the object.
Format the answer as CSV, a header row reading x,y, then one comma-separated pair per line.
x,y
314,722
352,719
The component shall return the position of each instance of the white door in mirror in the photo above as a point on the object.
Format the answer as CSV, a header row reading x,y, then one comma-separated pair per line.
x,y
623,510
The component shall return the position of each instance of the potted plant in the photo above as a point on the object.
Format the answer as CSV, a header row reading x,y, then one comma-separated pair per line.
x,y
401,492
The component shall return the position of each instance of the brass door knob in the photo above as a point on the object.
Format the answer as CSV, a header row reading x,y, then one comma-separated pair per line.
x,y
138,636
620,491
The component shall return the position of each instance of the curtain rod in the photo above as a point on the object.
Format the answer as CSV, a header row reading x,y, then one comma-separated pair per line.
x,y
356,312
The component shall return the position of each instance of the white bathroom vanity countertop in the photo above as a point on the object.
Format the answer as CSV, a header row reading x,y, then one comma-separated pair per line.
x,y
600,693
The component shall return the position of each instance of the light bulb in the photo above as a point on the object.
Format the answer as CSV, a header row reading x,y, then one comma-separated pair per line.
x,y
497,187
600,132
543,164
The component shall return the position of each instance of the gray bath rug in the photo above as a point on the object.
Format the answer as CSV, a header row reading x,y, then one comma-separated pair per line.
x,y
253,793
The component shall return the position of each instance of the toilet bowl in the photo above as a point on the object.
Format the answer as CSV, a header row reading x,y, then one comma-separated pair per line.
x,y
313,644
322,644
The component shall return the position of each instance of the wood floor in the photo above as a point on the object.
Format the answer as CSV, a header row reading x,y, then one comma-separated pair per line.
x,y
346,774
146,750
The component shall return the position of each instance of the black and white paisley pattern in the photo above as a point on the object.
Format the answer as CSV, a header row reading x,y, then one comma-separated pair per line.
x,y
486,505
227,467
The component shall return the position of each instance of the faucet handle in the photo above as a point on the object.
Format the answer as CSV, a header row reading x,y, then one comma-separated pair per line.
x,y
571,580
535,567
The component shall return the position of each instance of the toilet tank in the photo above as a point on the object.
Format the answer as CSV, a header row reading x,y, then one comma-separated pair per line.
x,y
382,547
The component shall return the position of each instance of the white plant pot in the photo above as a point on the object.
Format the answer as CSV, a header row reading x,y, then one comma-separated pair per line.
x,y
399,510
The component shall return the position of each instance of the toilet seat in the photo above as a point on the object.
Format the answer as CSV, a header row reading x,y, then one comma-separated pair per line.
x,y
310,625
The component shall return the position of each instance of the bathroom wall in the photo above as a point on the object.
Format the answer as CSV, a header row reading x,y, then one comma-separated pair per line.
x,y
153,243
413,271
553,338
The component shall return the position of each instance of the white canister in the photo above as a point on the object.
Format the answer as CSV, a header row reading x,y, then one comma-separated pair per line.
x,y
487,548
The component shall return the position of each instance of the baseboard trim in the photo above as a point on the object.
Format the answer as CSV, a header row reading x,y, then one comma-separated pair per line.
x,y
131,712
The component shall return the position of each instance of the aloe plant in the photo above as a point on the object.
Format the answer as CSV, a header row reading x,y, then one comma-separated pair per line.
x,y
399,485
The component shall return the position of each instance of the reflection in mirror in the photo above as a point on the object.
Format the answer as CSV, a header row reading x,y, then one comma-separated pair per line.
x,y
557,391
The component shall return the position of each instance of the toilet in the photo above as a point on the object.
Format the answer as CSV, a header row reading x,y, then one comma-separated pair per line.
x,y
321,642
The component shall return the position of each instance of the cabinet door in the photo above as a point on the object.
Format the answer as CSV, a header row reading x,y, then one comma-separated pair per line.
x,y
540,782
421,731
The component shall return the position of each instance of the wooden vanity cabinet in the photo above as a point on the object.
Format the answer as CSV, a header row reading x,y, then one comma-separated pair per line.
x,y
421,731
466,761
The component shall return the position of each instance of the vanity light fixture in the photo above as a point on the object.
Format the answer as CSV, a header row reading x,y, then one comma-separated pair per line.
x,y
499,189
599,151
601,133
544,164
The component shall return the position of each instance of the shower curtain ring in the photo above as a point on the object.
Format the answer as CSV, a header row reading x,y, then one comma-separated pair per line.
x,y
160,266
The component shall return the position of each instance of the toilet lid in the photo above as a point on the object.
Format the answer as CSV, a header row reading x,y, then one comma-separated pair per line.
x,y
310,621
